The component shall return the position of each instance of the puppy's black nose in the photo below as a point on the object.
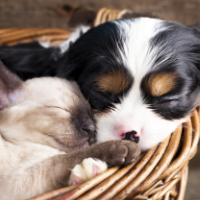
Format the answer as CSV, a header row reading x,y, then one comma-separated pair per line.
x,y
132,135
89,127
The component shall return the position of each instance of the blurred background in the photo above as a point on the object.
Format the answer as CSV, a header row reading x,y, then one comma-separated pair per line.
x,y
56,14
41,13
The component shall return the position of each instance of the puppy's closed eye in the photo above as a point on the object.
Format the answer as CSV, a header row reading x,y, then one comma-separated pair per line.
x,y
161,83
115,81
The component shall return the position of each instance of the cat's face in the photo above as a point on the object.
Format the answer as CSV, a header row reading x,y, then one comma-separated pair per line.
x,y
49,111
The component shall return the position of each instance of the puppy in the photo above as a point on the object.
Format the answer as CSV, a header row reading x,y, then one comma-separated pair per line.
x,y
141,76
46,127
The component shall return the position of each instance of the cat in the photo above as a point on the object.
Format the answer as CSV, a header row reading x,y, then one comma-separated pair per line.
x,y
46,131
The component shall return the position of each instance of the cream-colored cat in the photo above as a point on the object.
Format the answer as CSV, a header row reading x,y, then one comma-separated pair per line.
x,y
46,127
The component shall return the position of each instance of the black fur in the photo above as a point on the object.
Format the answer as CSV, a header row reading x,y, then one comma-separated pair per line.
x,y
94,54
31,60
183,43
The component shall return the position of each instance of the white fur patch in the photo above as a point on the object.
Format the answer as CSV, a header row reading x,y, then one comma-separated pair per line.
x,y
64,46
45,43
87,170
73,37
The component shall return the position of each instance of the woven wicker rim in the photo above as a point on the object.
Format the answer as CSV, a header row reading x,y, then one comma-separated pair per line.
x,y
14,36
160,173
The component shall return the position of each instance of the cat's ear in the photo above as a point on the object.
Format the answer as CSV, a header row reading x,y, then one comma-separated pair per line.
x,y
9,83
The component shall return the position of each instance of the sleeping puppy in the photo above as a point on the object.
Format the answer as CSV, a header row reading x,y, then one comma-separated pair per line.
x,y
46,127
141,76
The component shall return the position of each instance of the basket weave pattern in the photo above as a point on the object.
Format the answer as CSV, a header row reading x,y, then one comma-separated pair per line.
x,y
160,173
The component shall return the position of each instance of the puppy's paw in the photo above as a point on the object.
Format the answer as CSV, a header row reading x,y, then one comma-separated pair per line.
x,y
121,152
87,170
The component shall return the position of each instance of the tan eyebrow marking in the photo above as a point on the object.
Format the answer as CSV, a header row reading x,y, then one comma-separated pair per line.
x,y
114,82
161,83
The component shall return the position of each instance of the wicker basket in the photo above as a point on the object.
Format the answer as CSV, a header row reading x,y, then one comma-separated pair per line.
x,y
160,173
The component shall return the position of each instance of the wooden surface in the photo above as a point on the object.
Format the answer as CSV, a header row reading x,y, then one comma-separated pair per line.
x,y
40,13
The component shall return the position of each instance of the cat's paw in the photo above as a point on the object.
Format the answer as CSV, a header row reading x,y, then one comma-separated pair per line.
x,y
88,169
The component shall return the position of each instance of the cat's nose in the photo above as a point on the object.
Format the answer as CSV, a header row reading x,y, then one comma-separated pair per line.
x,y
89,127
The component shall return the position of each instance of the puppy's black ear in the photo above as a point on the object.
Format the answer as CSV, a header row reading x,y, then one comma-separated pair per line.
x,y
9,83
196,44
195,59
